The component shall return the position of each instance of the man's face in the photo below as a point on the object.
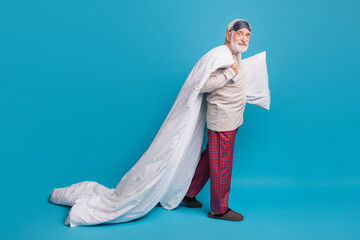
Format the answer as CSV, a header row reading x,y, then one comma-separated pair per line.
x,y
239,40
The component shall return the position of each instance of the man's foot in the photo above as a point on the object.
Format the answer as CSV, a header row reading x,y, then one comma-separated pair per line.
x,y
192,202
229,215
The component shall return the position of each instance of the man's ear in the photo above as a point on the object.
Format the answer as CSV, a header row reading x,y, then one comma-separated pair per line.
x,y
228,36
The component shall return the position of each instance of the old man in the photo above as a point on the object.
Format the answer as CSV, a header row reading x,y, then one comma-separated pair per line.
x,y
226,102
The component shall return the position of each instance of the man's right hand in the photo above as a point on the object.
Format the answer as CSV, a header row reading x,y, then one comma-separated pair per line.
x,y
235,67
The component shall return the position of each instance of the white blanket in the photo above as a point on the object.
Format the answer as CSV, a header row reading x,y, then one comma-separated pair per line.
x,y
164,172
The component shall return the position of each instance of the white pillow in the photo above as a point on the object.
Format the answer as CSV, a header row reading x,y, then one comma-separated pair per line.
x,y
257,80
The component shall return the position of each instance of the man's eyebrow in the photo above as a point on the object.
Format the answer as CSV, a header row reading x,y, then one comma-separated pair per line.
x,y
243,32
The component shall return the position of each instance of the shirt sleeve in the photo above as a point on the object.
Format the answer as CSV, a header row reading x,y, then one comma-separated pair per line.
x,y
218,79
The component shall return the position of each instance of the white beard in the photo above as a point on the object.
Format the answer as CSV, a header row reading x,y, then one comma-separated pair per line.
x,y
238,48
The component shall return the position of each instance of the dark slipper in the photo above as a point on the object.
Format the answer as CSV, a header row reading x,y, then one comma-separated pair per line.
x,y
192,202
229,215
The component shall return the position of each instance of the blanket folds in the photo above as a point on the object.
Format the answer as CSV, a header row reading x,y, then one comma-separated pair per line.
x,y
164,172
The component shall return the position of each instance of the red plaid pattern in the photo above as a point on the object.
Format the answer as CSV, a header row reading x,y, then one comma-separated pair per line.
x,y
215,163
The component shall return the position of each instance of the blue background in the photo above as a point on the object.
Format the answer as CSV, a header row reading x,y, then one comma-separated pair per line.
x,y
86,85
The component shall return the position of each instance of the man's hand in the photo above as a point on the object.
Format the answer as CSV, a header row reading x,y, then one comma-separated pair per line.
x,y
235,67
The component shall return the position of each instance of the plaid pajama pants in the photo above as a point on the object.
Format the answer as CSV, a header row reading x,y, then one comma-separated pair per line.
x,y
215,163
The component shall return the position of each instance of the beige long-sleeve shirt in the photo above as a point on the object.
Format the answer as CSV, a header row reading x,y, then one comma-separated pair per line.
x,y
225,99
